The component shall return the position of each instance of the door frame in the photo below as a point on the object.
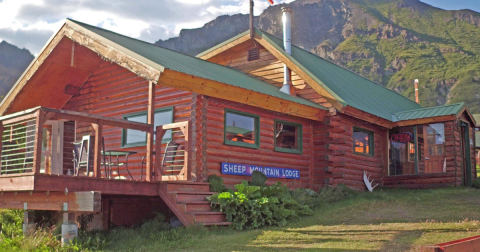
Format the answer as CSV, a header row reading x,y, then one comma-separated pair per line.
x,y
57,146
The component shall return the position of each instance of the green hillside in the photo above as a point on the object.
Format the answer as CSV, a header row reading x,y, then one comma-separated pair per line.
x,y
408,40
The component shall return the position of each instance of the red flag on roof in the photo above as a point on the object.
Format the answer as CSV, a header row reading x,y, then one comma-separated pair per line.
x,y
270,1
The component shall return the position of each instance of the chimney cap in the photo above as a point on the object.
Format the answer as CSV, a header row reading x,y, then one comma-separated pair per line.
x,y
416,80
286,9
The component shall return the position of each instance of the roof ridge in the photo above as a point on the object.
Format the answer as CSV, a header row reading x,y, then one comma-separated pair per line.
x,y
341,67
139,40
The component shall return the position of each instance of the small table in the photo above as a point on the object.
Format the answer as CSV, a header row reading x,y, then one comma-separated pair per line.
x,y
117,154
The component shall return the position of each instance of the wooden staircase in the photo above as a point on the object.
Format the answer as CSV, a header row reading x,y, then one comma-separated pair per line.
x,y
188,202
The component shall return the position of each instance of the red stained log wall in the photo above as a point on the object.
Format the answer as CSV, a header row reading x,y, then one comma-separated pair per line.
x,y
217,152
113,91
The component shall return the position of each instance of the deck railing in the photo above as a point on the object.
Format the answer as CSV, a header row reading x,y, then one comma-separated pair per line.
x,y
23,142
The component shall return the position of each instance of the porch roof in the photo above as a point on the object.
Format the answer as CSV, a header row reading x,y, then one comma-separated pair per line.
x,y
444,110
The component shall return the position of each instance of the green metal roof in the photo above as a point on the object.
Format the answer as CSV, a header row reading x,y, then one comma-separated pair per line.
x,y
348,88
450,109
160,58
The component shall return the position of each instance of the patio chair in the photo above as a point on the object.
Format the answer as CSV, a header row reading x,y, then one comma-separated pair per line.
x,y
83,155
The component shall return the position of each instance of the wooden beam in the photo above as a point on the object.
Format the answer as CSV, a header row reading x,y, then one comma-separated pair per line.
x,y
17,182
90,118
1,143
72,90
224,91
37,151
97,156
150,135
77,201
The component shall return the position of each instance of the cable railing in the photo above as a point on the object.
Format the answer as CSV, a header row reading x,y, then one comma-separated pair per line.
x,y
17,147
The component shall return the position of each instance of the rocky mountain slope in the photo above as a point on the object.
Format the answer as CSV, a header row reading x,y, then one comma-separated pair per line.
x,y
391,42
13,61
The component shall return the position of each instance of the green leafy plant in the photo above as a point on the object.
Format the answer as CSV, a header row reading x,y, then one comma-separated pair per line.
x,y
334,194
258,179
216,184
253,206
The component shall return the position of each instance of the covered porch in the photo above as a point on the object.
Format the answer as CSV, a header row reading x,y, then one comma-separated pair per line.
x,y
41,151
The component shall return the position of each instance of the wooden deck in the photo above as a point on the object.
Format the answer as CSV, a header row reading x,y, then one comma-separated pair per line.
x,y
61,183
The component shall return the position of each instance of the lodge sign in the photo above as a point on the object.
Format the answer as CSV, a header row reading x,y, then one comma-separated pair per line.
x,y
403,137
270,172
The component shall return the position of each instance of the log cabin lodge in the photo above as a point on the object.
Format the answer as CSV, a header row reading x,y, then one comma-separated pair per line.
x,y
146,126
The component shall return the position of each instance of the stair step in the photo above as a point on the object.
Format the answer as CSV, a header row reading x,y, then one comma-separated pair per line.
x,y
209,217
185,198
193,193
205,213
226,223
197,206
185,186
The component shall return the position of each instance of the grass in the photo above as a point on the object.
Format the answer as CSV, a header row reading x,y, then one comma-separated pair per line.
x,y
391,220
388,220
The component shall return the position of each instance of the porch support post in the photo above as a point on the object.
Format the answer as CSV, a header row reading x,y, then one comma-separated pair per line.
x,y
97,156
415,131
37,152
150,133
28,226
69,228
1,143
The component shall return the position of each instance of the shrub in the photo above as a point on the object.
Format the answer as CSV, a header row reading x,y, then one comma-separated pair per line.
x,y
258,179
476,183
216,184
11,223
334,194
254,206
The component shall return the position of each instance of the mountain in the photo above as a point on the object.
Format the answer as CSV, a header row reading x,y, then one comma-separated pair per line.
x,y
391,42
13,61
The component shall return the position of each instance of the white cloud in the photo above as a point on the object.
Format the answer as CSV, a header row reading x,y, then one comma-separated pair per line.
x,y
29,23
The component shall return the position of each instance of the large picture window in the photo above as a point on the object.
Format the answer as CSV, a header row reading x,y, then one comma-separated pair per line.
x,y
132,138
363,141
242,129
288,137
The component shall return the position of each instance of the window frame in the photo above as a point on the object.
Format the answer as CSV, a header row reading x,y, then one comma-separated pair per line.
x,y
144,143
299,137
256,118
371,141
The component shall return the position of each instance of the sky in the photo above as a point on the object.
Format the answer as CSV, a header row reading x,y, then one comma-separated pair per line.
x,y
30,23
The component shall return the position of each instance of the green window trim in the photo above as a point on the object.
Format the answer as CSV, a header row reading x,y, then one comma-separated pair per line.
x,y
299,137
371,142
256,118
143,143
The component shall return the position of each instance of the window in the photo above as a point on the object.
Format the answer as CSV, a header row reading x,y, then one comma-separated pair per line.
x,y
288,137
132,138
435,139
362,141
242,129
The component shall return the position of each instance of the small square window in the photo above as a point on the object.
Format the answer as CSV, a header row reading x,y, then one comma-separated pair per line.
x,y
288,137
242,129
131,138
363,141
